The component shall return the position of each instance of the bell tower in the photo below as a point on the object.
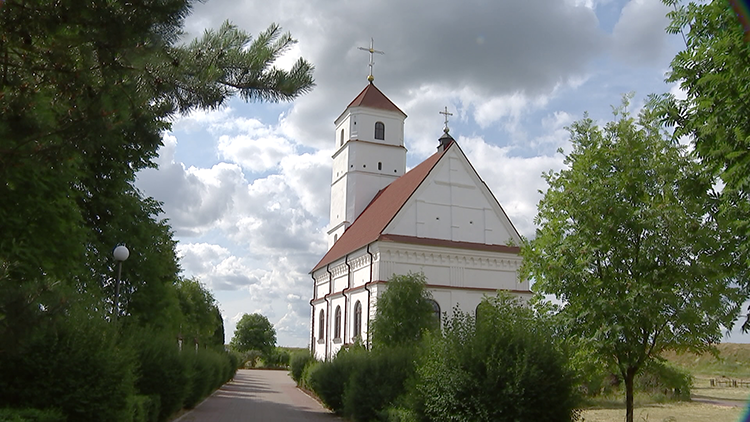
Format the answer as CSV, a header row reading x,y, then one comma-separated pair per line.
x,y
370,154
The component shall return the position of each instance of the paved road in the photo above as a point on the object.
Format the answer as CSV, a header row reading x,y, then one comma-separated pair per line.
x,y
257,395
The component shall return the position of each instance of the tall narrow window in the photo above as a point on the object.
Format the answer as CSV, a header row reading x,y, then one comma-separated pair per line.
x,y
436,311
380,166
337,329
379,130
321,325
357,319
341,141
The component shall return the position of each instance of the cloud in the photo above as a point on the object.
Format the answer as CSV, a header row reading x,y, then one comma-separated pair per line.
x,y
639,37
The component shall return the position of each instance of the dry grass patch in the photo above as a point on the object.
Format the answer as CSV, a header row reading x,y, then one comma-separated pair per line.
x,y
669,412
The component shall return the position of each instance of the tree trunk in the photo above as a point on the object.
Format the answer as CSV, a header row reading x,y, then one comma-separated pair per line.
x,y
629,377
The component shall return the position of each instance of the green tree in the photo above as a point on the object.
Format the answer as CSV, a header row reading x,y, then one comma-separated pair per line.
x,y
85,93
199,313
504,365
627,241
254,332
712,71
404,312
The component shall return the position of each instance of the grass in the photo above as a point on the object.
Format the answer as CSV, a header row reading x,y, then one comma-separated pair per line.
x,y
709,403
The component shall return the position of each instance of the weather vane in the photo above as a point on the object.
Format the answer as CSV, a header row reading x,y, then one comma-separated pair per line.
x,y
372,51
446,114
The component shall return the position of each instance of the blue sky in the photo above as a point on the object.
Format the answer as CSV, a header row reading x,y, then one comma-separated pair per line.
x,y
246,188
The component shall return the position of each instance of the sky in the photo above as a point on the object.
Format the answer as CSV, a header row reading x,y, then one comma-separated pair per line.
x,y
246,188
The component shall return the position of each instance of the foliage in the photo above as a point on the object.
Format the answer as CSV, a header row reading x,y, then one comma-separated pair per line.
x,y
504,366
278,358
74,365
30,415
254,332
627,240
328,380
377,382
199,314
664,381
162,372
403,313
297,363
712,71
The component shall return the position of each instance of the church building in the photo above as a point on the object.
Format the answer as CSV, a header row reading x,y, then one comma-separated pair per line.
x,y
439,219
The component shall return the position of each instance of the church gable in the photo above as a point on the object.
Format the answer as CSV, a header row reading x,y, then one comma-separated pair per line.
x,y
454,204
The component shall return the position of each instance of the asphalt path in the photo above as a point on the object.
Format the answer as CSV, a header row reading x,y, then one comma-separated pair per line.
x,y
259,395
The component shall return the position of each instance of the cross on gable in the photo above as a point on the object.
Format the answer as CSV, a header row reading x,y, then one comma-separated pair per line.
x,y
372,52
446,114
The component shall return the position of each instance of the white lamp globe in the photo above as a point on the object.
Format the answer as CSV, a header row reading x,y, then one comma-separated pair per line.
x,y
121,253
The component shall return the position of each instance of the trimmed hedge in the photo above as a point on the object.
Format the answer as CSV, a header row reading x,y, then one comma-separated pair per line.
x,y
31,415
297,364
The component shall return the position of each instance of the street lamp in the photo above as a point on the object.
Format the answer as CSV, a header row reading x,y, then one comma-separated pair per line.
x,y
121,253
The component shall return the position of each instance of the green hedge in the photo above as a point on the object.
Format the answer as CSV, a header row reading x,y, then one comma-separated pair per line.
x,y
31,415
76,365
297,363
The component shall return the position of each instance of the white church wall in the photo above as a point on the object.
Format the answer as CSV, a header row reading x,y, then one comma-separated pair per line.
x,y
453,204
361,124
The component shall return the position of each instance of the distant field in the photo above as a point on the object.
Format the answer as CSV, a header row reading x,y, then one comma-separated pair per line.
x,y
709,403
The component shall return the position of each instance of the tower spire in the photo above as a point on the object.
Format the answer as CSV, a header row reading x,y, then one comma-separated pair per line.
x,y
372,52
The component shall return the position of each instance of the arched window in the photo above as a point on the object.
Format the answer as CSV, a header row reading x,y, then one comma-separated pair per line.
x,y
337,326
321,325
380,166
357,319
436,311
379,130
341,142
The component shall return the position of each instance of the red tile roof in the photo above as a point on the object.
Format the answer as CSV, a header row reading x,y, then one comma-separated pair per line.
x,y
373,98
381,210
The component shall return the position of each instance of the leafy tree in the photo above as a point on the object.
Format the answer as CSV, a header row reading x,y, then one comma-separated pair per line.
x,y
85,93
404,312
712,71
254,332
627,241
199,313
503,365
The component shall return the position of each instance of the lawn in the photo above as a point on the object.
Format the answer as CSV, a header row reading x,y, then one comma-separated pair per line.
x,y
709,403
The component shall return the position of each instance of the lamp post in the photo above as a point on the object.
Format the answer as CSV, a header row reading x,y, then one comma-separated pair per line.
x,y
121,253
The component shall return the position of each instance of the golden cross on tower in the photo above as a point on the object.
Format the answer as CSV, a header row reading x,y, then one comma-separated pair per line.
x,y
446,114
372,51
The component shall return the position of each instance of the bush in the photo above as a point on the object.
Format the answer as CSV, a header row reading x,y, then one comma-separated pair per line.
x,y
377,382
75,365
310,368
502,366
163,372
664,382
328,380
31,415
297,363
144,408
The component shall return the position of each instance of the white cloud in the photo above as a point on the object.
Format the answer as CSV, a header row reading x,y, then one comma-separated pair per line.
x,y
639,37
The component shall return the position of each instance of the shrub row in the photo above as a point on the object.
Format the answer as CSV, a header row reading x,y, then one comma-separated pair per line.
x,y
87,371
359,384
177,379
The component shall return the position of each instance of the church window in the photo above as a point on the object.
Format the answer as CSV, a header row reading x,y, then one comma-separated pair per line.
x,y
436,311
321,325
380,166
337,326
357,319
342,137
379,130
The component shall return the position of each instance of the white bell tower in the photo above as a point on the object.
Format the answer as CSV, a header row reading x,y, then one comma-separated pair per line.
x,y
370,154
